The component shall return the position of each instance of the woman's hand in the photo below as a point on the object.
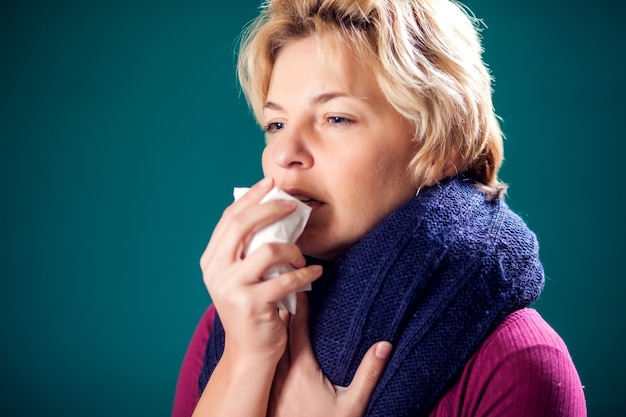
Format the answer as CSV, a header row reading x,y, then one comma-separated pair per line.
x,y
245,302
256,336
300,387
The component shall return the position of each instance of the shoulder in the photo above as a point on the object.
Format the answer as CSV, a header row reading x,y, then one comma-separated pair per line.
x,y
522,369
187,395
203,330
207,319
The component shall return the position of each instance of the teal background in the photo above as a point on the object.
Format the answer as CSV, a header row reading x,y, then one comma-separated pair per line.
x,y
123,131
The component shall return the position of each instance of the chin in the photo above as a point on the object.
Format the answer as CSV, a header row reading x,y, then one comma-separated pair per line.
x,y
312,250
316,248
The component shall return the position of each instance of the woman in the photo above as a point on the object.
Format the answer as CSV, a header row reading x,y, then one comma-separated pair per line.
x,y
378,115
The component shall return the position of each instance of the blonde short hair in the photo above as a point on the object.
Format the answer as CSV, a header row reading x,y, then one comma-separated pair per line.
x,y
427,58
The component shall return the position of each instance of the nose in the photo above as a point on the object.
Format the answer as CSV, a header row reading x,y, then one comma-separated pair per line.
x,y
292,149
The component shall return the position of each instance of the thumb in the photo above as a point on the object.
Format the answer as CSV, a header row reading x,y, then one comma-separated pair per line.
x,y
299,339
368,373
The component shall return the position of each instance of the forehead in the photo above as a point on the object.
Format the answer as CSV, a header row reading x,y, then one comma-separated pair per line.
x,y
324,63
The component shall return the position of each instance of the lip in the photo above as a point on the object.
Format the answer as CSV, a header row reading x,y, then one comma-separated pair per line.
x,y
306,197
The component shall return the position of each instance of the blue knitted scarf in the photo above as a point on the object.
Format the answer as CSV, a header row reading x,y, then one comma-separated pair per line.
x,y
434,278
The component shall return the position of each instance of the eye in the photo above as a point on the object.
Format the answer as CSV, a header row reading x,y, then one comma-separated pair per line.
x,y
338,120
273,127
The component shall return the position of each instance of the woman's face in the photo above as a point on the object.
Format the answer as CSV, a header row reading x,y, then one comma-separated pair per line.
x,y
334,142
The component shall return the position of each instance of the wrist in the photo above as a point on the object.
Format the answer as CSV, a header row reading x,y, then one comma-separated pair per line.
x,y
242,361
240,385
254,354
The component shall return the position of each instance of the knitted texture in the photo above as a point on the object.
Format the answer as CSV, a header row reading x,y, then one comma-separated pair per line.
x,y
434,278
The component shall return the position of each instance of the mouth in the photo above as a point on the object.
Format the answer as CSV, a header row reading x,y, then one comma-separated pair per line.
x,y
308,201
306,198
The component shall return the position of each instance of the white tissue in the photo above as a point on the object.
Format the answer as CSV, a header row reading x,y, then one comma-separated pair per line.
x,y
286,230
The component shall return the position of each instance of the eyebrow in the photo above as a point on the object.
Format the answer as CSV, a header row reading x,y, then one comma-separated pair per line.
x,y
319,99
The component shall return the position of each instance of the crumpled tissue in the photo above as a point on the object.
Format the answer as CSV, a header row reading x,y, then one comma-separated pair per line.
x,y
286,230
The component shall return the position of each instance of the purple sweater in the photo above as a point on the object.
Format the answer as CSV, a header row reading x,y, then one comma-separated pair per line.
x,y
523,369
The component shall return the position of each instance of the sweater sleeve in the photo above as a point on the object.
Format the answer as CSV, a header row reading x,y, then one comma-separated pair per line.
x,y
522,370
187,395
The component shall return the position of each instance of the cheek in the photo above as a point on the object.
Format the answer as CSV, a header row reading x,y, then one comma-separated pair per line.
x,y
266,162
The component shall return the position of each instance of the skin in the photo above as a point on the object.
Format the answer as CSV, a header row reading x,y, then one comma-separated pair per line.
x,y
256,334
332,136
334,142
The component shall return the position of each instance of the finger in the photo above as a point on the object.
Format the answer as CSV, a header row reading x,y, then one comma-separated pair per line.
x,y
242,226
282,369
276,288
238,229
269,255
252,198
251,270
285,361
368,374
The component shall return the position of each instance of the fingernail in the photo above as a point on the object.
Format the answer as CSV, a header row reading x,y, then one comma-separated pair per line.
x,y
265,182
289,203
383,350
316,269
